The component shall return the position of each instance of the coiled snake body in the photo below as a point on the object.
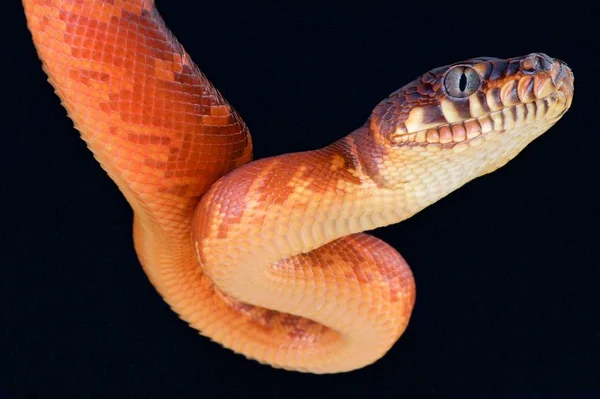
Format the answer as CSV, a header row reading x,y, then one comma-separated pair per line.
x,y
268,257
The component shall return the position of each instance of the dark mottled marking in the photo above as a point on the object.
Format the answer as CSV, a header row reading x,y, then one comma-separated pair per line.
x,y
498,69
512,68
434,114
462,107
529,88
370,154
512,95
483,101
496,96
513,112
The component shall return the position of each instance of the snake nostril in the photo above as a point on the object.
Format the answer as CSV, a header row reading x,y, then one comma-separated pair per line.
x,y
529,63
536,62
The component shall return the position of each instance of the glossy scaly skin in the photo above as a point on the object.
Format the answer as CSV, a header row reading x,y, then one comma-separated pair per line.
x,y
299,286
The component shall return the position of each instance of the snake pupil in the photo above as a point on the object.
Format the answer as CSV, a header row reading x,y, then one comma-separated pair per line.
x,y
462,84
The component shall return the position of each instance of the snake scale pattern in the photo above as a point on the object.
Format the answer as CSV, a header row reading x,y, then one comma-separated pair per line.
x,y
269,257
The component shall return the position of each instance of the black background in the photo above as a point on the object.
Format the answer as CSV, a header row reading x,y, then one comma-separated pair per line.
x,y
507,267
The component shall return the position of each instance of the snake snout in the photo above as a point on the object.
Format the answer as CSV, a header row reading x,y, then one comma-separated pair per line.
x,y
560,73
563,78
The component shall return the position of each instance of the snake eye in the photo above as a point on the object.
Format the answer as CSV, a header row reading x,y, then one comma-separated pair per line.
x,y
461,81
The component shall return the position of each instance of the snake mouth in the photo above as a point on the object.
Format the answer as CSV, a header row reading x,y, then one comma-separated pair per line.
x,y
495,97
473,131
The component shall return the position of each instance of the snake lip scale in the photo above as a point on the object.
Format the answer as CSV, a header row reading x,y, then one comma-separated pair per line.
x,y
435,141
269,257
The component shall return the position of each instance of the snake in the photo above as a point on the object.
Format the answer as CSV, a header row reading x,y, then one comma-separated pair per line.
x,y
269,257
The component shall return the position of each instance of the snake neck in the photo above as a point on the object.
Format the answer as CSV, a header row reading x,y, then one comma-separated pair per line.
x,y
392,183
285,206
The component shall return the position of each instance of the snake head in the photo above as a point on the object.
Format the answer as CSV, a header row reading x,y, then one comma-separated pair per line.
x,y
469,103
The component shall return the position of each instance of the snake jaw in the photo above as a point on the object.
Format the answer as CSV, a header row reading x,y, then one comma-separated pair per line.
x,y
513,93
